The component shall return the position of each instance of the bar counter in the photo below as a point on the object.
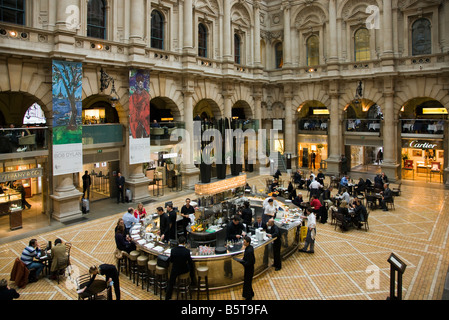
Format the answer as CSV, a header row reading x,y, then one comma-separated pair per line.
x,y
224,271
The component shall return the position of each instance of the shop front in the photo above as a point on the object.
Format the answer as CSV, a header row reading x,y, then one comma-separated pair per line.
x,y
364,153
423,159
312,151
23,195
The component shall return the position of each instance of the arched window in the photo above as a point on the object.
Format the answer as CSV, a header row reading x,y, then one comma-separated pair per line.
x,y
12,11
157,30
421,37
202,40
362,50
237,48
279,55
96,19
313,51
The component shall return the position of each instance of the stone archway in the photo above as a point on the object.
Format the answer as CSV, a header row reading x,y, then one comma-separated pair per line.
x,y
207,108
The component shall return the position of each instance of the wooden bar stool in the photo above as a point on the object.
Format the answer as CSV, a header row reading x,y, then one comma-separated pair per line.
x,y
203,285
161,279
132,264
142,271
151,277
122,260
183,286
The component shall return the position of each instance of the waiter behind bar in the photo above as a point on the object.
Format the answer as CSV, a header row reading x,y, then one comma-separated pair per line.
x,y
234,231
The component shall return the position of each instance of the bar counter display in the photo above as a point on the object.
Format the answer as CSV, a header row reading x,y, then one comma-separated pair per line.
x,y
11,204
214,251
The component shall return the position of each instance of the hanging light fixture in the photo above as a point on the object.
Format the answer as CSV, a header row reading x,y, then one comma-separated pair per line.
x,y
105,81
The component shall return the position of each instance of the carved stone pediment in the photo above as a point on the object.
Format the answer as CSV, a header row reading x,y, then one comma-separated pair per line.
x,y
208,7
405,5
240,16
310,15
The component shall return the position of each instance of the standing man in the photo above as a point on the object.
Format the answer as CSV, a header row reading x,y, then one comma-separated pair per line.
x,y
86,184
181,263
248,262
172,221
312,159
273,232
164,225
129,219
344,164
235,229
120,181
186,211
22,191
311,232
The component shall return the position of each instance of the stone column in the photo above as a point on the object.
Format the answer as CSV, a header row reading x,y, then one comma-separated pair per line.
x,y
287,37
227,94
333,50
257,58
289,132
190,172
66,199
334,138
188,25
227,36
387,32
389,165
137,30
138,183
64,39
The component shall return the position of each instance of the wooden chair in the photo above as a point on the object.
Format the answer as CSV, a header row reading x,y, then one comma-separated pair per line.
x,y
366,223
390,203
68,248
397,191
81,281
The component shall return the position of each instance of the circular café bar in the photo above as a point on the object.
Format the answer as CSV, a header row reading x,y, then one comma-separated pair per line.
x,y
217,202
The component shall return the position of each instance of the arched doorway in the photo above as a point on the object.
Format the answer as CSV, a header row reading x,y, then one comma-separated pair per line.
x,y
362,134
423,144
207,109
312,123
24,150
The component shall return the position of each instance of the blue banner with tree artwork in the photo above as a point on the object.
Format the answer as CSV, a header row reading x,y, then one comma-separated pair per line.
x,y
67,112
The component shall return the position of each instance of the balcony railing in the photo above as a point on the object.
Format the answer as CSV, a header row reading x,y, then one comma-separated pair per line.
x,y
359,125
421,126
23,140
313,125
102,133
161,133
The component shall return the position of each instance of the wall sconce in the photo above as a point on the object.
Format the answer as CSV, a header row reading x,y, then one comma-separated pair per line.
x,y
13,34
105,81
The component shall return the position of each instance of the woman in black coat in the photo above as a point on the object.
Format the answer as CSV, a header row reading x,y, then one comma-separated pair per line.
x,y
248,262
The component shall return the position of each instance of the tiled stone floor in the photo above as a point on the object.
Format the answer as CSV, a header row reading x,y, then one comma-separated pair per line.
x,y
345,266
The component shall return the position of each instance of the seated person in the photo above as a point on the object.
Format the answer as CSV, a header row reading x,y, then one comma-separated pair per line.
x,y
343,182
378,183
387,196
315,204
360,187
344,196
360,213
30,257
315,188
343,211
259,223
277,174
320,177
297,177
129,219
122,241
59,258
327,196
235,229
298,200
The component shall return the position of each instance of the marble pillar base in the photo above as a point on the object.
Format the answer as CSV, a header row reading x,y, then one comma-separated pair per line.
x,y
190,177
333,167
391,170
66,206
139,189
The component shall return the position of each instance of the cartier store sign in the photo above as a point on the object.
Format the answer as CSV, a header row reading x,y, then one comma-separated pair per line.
x,y
422,144
20,175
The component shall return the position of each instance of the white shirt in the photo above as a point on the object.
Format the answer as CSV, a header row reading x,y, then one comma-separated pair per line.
x,y
311,221
265,202
269,210
315,185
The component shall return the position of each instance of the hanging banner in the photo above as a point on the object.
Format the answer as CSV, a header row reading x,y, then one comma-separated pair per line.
x,y
139,116
67,112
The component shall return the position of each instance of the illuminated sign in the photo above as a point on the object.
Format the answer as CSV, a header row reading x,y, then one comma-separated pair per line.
x,y
422,144
434,111
21,175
